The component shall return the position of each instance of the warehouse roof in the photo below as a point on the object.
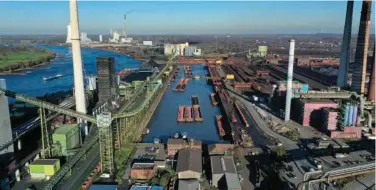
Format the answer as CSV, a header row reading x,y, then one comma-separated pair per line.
x,y
222,164
189,159
188,184
232,181
64,129
176,142
45,162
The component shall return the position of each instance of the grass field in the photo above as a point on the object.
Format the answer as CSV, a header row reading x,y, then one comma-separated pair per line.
x,y
23,56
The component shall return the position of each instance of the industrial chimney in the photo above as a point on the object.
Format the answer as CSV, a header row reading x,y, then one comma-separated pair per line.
x,y
346,40
289,80
361,53
371,85
77,63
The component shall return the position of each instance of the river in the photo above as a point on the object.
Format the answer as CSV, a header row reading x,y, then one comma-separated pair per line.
x,y
30,82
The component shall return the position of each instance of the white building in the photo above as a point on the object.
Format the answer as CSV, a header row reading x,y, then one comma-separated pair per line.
x,y
100,38
177,48
147,43
115,37
68,34
85,39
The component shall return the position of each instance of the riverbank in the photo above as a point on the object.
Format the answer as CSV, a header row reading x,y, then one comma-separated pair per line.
x,y
13,60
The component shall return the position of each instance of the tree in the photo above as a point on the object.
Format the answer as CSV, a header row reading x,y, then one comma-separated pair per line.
x,y
164,179
280,151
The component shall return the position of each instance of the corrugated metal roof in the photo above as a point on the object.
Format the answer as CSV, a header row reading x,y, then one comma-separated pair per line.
x,y
232,181
45,162
189,159
188,184
222,164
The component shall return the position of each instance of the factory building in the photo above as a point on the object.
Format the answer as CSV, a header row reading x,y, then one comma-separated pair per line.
x,y
308,112
143,171
296,87
85,39
106,84
177,49
262,51
174,145
360,66
189,164
147,43
347,133
224,174
66,137
330,120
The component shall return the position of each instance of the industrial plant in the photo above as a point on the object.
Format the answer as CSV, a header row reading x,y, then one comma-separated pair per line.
x,y
182,118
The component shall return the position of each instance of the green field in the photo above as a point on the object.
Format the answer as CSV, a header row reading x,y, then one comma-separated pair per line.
x,y
10,58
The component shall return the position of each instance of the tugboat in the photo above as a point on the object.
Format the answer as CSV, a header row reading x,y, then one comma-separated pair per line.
x,y
157,140
54,77
184,135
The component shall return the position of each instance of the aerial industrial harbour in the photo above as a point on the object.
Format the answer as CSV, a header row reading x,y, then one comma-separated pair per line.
x,y
186,119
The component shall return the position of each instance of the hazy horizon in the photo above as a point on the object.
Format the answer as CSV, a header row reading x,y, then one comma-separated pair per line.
x,y
181,18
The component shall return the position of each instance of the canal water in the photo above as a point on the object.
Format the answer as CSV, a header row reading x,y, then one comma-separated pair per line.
x,y
163,122
30,82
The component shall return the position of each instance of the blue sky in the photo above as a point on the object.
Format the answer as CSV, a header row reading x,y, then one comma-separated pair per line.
x,y
208,17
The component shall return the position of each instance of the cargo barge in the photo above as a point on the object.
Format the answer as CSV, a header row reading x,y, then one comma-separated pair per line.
x,y
197,114
195,101
181,86
221,131
242,117
181,114
187,71
188,114
212,98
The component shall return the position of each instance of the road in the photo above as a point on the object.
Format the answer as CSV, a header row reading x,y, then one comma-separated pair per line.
x,y
362,183
299,163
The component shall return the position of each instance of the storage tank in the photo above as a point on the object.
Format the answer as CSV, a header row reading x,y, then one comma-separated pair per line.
x,y
355,114
347,110
351,110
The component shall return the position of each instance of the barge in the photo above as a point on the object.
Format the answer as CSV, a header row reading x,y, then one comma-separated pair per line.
x,y
221,131
179,87
212,98
197,114
195,102
242,117
188,114
181,114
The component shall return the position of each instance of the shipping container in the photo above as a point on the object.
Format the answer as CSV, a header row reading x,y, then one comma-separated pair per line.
x,y
67,137
230,77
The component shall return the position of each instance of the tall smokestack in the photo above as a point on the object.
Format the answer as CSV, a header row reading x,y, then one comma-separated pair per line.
x,y
371,85
289,80
344,60
77,62
361,54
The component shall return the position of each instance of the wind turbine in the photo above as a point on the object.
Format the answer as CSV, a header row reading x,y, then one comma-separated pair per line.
x,y
125,24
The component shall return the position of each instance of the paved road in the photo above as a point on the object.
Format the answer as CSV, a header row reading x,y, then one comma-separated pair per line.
x,y
299,163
